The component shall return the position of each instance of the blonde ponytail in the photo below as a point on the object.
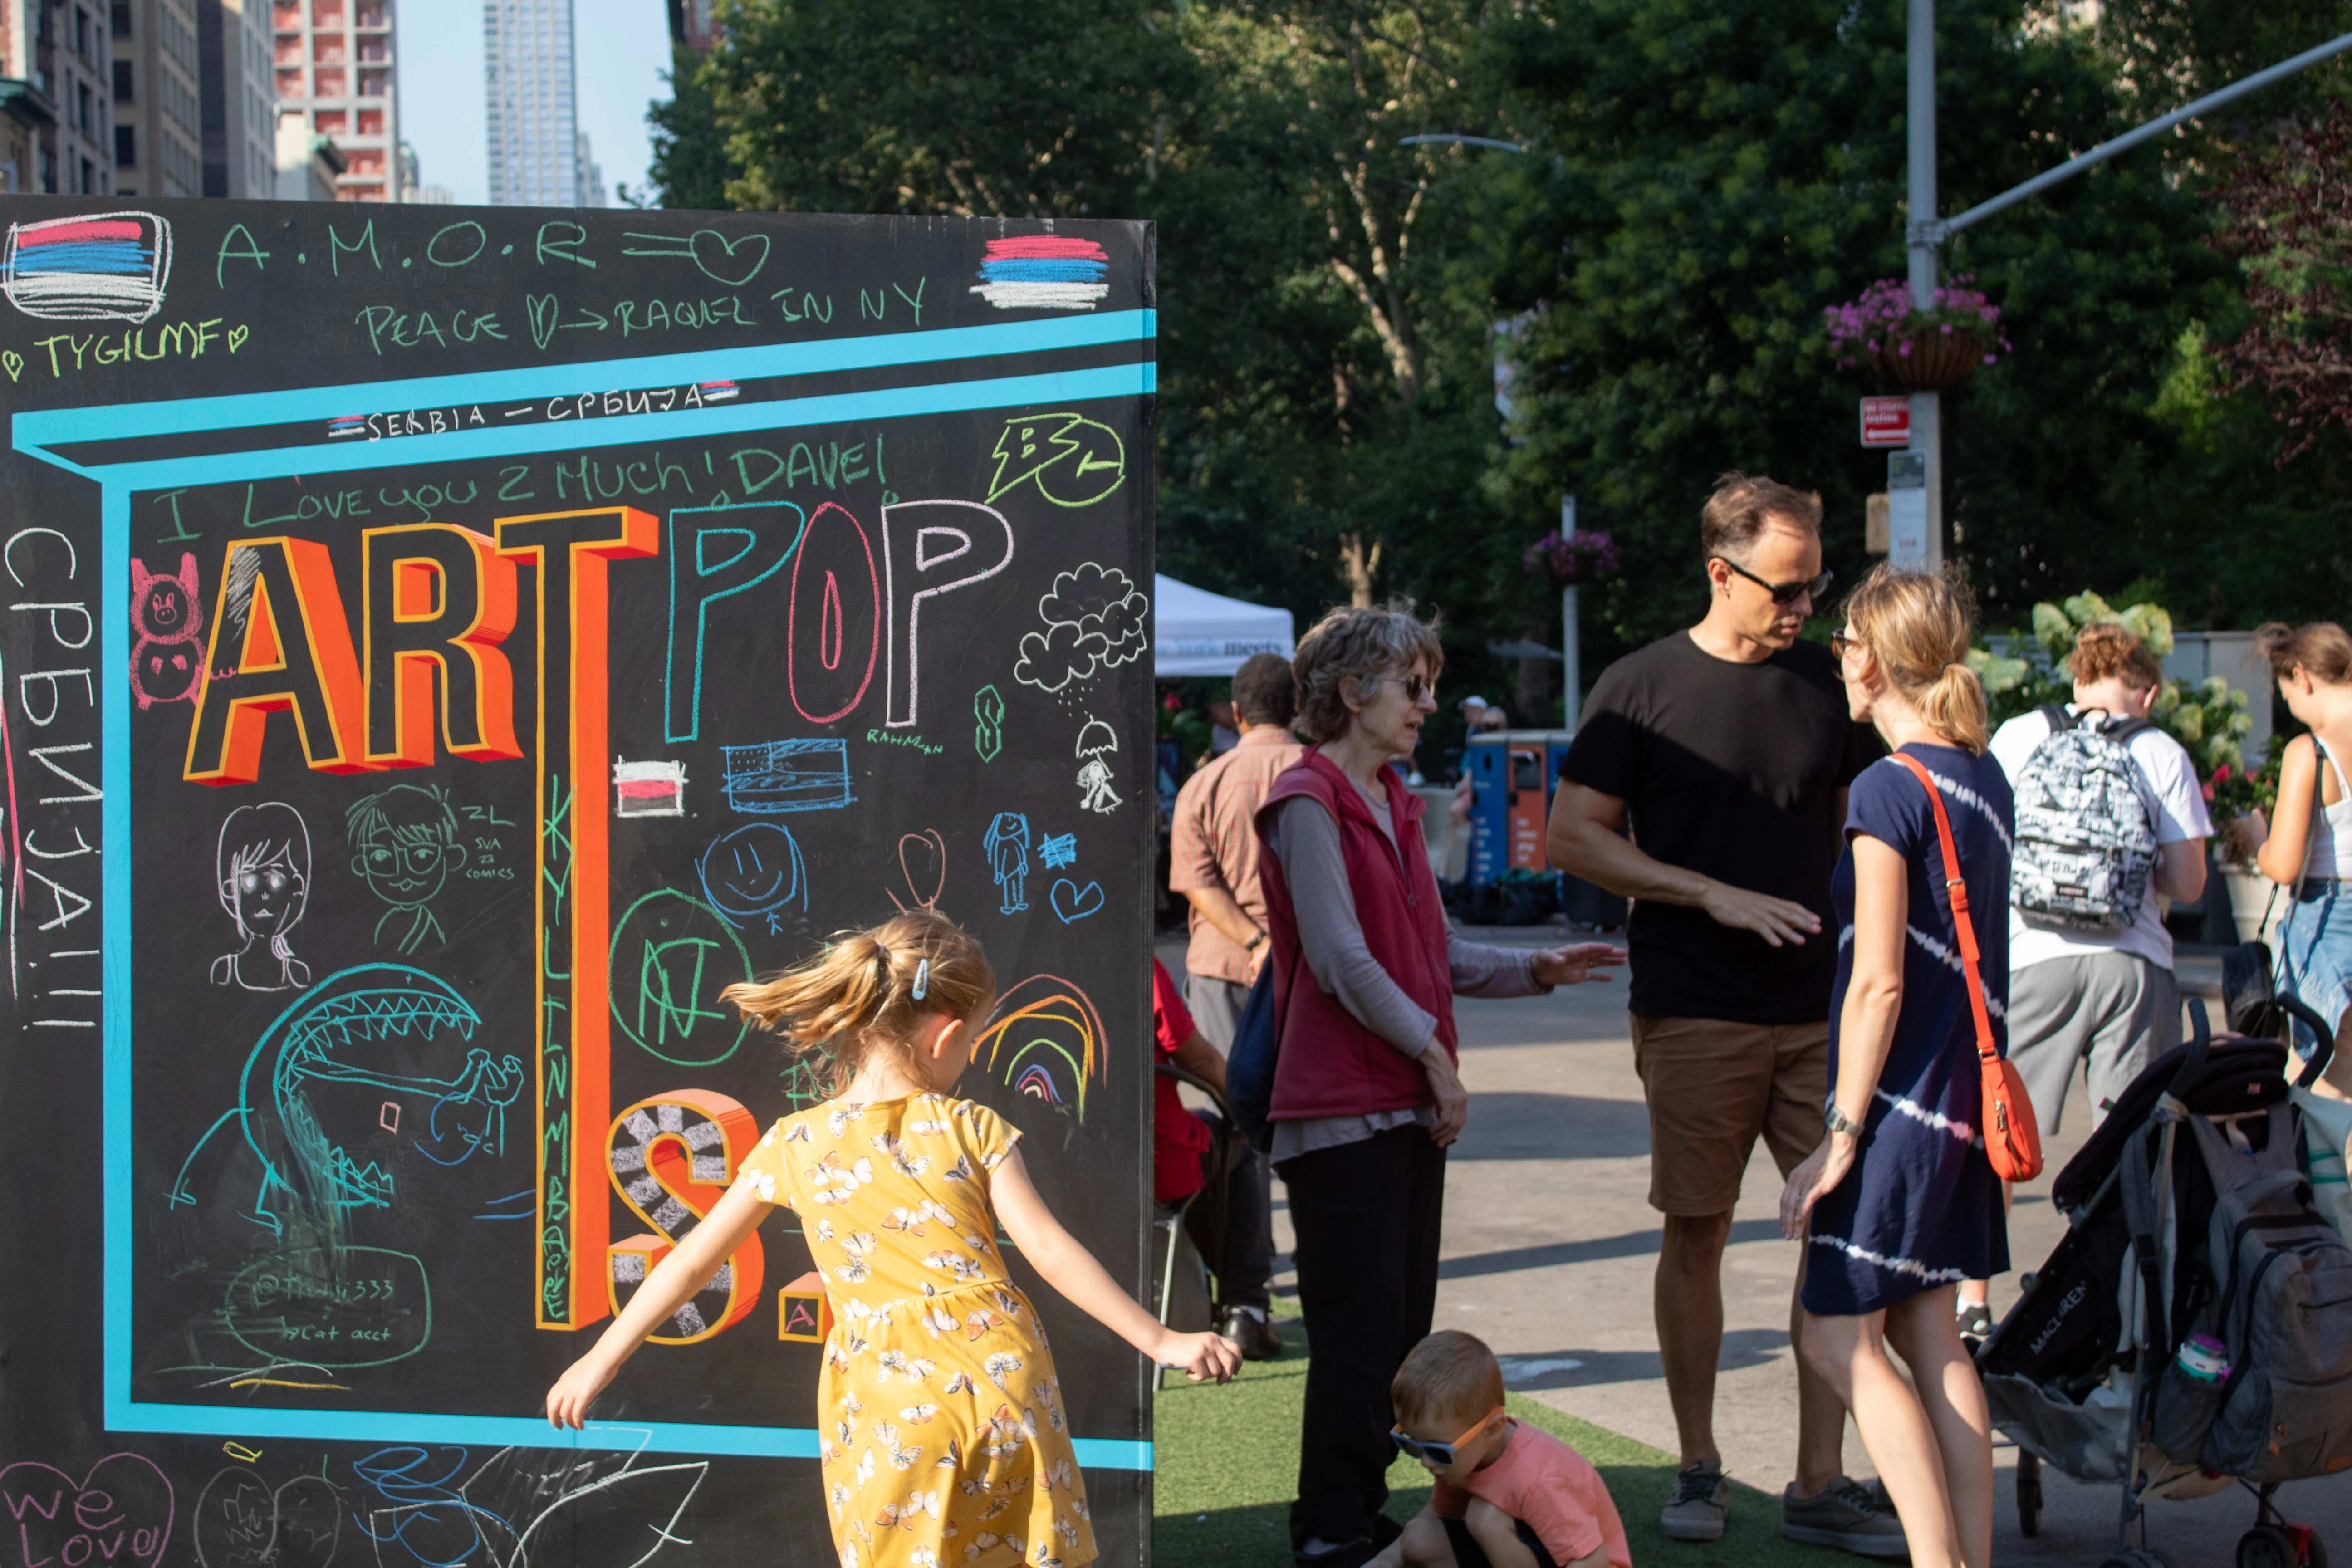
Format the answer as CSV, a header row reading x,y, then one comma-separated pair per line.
x,y
1917,625
867,990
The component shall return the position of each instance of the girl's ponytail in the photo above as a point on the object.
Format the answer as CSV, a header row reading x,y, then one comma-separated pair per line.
x,y
1956,705
868,989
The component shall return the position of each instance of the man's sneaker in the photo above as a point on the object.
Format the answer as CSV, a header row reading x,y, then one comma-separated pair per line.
x,y
1845,1514
1701,1499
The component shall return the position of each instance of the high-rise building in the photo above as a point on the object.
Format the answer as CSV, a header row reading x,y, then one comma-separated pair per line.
x,y
532,121
63,51
156,64
334,63
239,91
588,176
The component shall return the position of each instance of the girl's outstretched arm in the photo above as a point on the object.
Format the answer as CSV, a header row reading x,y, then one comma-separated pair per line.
x,y
672,1284
1071,1269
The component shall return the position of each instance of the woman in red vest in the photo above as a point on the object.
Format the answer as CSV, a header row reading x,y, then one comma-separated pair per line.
x,y
1366,1097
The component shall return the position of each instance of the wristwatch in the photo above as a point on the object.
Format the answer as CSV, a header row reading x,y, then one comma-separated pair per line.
x,y
1254,942
1837,1121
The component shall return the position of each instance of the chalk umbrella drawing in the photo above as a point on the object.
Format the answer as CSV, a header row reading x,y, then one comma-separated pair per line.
x,y
1045,1042
1097,741
262,868
1006,844
405,844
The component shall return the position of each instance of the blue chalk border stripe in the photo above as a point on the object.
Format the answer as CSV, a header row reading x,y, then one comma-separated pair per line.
x,y
35,432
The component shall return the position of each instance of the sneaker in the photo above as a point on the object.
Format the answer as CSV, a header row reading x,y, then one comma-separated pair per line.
x,y
1702,1497
1845,1514
1973,1318
1247,1327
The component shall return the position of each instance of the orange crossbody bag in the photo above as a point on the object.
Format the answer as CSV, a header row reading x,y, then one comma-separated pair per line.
x,y
2012,1140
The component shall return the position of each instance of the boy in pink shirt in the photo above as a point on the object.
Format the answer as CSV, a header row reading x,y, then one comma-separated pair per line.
x,y
1508,1495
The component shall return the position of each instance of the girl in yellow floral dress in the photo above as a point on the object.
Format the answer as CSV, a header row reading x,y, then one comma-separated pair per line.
x,y
943,1440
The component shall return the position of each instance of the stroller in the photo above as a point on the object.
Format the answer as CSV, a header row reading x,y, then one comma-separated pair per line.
x,y
2136,1353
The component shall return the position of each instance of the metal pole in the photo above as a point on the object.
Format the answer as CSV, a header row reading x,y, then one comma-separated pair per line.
x,y
1570,673
1922,236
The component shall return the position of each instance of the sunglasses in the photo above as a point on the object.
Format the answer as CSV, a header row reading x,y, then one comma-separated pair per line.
x,y
1839,644
1783,593
1416,686
1438,1454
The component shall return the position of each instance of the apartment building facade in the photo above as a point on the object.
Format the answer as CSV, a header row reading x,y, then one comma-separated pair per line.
x,y
156,69
533,120
239,95
334,63
63,51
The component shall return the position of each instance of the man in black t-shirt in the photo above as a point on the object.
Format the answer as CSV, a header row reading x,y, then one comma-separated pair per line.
x,y
1727,750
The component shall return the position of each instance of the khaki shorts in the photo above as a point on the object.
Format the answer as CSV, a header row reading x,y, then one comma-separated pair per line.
x,y
1713,1087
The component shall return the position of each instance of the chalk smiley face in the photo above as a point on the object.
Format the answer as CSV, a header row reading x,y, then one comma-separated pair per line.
x,y
753,873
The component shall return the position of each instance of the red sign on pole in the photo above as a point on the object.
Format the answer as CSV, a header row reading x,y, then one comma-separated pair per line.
x,y
1887,422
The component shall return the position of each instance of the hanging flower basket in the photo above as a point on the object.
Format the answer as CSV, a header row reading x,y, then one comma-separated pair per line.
x,y
1571,560
1885,338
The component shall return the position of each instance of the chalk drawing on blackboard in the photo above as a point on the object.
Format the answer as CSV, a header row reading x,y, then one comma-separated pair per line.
x,y
671,1156
1044,1041
1095,740
1060,850
405,844
167,624
715,553
443,1506
122,1505
1043,272
240,1521
922,863
779,776
1073,903
105,266
1075,461
648,789
753,875
263,867
1006,844
671,954
733,262
1094,620
922,541
988,723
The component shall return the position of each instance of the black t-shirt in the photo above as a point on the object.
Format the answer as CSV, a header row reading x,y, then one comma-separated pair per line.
x,y
1732,771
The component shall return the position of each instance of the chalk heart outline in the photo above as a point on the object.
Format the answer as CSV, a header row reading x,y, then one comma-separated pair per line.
x,y
88,1510
715,254
247,1523
1080,902
542,309
236,336
14,363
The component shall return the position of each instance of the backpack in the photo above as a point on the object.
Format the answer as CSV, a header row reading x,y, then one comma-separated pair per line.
x,y
2085,836
2262,1387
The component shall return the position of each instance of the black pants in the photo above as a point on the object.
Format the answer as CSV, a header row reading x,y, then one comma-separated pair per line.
x,y
1367,1216
1245,1252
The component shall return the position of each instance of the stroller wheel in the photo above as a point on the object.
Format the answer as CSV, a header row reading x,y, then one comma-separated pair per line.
x,y
2029,1494
2268,1546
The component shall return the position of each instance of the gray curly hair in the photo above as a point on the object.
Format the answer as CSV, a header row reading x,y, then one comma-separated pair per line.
x,y
1355,643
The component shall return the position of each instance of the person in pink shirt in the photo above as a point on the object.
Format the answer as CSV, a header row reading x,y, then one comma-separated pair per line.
x,y
1508,1495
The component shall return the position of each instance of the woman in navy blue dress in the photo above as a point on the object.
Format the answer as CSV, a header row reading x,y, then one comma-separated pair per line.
x,y
1899,1203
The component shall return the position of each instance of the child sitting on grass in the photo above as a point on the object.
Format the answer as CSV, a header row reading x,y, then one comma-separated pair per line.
x,y
1507,1495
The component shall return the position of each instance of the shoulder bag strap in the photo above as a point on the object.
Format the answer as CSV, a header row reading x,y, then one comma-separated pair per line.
x,y
1953,885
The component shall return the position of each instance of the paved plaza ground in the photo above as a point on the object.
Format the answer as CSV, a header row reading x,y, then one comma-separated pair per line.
x,y
1550,1242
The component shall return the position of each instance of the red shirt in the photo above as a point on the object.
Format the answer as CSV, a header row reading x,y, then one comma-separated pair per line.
x,y
1179,1138
1550,1488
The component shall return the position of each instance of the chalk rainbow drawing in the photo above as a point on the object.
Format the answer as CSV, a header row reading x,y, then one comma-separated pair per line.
x,y
1042,271
1048,1039
107,267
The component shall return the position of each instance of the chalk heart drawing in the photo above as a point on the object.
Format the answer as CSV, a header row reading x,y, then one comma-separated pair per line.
x,y
236,336
922,862
1073,903
542,309
733,262
14,363
120,1511
241,1523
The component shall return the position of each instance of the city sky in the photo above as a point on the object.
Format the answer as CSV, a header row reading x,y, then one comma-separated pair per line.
x,y
622,47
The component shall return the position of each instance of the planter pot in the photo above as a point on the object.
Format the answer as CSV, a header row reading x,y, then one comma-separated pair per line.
x,y
2250,895
1937,361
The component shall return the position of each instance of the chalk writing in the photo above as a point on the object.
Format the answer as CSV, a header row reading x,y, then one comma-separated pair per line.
x,y
672,1156
671,954
988,723
1074,462
912,742
121,1510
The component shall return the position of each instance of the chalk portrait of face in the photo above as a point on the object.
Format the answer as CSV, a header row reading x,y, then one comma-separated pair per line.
x,y
404,847
263,873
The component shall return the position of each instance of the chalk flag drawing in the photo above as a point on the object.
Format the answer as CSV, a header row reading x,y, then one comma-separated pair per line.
x,y
779,776
1073,903
167,623
754,874
1006,844
922,861
1094,620
1058,851
1075,460
988,723
263,869
1042,271
119,1513
1095,740
405,844
648,789
1044,1040
105,266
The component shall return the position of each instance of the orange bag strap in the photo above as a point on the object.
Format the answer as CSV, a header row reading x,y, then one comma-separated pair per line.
x,y
1986,1050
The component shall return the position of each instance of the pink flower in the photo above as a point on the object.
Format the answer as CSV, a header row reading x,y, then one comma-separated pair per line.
x,y
1987,359
1946,328
1903,348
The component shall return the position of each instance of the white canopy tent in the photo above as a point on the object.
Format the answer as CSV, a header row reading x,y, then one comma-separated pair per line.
x,y
1201,633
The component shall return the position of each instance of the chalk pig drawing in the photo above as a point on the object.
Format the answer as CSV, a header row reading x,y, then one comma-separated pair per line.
x,y
169,622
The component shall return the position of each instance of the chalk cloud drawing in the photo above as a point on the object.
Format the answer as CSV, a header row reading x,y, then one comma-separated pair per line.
x,y
1044,1040
922,863
167,625
119,1513
437,1507
1097,741
1073,903
1059,852
671,954
1006,844
104,267
262,868
1074,461
240,1521
1094,621
988,723
753,875
405,844
648,789
774,777
1043,272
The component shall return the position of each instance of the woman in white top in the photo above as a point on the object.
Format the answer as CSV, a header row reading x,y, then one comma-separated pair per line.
x,y
2308,852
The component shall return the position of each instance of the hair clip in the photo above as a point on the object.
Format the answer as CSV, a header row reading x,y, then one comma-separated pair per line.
x,y
922,978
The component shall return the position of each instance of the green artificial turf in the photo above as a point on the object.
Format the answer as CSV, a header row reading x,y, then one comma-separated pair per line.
x,y
1227,1457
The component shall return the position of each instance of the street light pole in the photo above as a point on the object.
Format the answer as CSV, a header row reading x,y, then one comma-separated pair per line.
x,y
1926,448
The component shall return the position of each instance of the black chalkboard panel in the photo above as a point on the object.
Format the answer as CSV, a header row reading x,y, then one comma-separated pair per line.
x,y
444,647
